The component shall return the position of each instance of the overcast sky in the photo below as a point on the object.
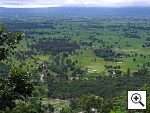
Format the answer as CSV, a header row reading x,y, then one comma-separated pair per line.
x,y
54,3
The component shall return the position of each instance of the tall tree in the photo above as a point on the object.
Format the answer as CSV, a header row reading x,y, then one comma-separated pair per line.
x,y
17,84
8,42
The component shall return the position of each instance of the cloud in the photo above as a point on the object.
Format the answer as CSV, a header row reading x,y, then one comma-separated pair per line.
x,y
28,3
52,3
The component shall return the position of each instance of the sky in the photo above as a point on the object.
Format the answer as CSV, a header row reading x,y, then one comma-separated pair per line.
x,y
86,3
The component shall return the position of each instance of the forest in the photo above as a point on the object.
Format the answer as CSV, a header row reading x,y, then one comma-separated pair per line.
x,y
73,64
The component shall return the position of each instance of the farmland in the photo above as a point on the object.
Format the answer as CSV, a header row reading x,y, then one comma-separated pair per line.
x,y
72,59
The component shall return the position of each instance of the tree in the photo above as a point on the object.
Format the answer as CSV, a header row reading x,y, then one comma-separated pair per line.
x,y
128,72
8,42
87,103
66,110
50,108
64,67
17,85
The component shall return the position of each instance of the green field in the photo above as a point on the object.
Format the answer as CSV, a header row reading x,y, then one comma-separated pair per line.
x,y
72,64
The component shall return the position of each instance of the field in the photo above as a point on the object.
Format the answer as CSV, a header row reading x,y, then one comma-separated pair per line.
x,y
124,36
72,59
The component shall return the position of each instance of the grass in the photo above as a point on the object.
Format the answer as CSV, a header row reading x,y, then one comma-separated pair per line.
x,y
87,60
95,64
114,39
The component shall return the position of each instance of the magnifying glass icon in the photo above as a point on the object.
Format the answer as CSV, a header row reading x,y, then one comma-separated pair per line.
x,y
136,98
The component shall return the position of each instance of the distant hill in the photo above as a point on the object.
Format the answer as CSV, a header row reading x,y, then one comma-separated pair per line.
x,y
76,11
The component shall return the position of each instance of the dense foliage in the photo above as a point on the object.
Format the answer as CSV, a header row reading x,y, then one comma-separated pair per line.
x,y
73,64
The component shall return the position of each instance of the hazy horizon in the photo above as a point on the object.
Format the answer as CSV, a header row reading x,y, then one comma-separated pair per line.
x,y
75,12
73,3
